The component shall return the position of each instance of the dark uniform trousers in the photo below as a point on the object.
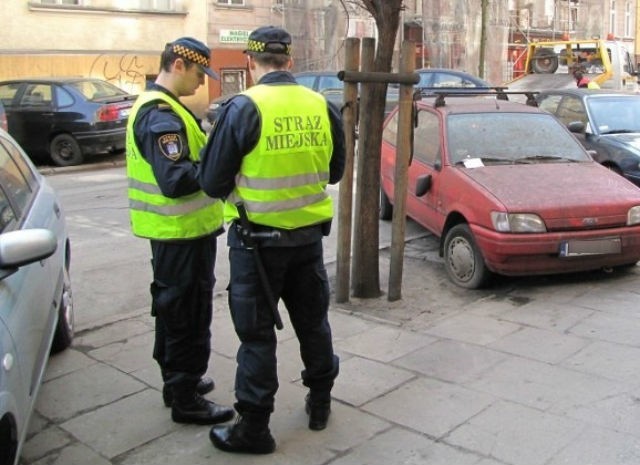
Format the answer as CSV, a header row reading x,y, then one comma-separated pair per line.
x,y
182,292
297,275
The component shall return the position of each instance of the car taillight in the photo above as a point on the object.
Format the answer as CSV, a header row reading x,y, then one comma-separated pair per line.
x,y
108,113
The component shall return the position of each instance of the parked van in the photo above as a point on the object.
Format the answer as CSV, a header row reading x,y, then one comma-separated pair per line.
x,y
550,65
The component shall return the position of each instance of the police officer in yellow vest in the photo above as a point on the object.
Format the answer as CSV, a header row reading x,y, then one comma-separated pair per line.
x,y
275,147
168,207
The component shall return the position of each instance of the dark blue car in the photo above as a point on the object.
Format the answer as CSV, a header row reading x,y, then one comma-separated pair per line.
x,y
606,122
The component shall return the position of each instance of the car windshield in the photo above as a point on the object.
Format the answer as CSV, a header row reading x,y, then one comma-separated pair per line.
x,y
510,138
93,89
615,115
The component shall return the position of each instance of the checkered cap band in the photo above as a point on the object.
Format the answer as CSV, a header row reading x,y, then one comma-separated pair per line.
x,y
191,55
260,47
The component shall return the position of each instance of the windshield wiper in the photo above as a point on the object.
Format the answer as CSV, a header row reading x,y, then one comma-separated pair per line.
x,y
621,131
535,158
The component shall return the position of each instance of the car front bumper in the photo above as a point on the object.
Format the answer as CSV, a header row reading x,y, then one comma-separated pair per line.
x,y
528,254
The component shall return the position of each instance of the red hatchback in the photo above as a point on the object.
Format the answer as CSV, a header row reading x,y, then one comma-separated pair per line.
x,y
509,190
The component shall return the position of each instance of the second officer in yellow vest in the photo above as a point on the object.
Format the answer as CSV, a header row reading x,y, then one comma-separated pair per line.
x,y
182,223
275,148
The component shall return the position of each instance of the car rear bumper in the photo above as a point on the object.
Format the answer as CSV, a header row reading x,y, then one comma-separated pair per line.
x,y
527,254
105,140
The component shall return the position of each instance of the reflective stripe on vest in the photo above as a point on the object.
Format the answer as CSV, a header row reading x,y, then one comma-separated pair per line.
x,y
283,180
152,214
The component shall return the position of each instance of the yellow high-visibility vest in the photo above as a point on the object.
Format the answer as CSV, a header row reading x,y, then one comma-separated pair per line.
x,y
283,180
153,215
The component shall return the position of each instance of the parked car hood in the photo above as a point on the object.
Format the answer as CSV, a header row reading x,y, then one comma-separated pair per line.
x,y
630,142
560,193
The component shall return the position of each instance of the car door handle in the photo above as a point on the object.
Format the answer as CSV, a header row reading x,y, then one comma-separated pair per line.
x,y
56,209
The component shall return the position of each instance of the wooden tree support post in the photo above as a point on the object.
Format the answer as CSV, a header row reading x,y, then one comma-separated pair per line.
x,y
345,193
403,153
365,263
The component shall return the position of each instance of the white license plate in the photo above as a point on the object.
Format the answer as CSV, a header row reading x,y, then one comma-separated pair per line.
x,y
579,248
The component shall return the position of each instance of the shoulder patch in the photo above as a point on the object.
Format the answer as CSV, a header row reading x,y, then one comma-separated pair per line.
x,y
171,145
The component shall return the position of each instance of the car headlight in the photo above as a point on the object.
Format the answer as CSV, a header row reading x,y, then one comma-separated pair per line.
x,y
633,216
518,222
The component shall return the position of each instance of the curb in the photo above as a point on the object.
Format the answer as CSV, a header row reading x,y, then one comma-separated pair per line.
x,y
53,170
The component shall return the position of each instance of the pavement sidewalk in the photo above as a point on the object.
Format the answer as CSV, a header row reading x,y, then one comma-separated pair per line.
x,y
538,371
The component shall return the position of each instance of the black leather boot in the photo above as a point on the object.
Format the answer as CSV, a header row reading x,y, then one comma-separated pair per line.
x,y
249,435
190,407
318,407
204,386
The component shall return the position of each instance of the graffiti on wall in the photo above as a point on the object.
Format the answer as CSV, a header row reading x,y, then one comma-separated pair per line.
x,y
126,71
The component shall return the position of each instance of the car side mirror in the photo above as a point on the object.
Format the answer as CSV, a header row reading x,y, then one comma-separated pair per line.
x,y
25,246
576,127
423,185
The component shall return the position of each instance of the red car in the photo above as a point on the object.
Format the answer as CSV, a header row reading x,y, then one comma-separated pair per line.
x,y
509,190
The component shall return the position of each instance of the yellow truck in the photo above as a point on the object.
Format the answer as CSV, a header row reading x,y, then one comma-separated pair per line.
x,y
550,65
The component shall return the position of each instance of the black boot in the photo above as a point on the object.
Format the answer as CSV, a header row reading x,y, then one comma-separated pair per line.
x,y
249,435
318,407
190,407
204,386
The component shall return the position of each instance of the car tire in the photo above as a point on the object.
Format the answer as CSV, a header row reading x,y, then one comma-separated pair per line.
x,y
65,151
386,209
462,259
63,335
544,62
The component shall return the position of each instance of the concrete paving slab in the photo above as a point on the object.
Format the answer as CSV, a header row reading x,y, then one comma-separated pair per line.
x,y
405,447
514,433
75,454
612,361
599,446
384,343
110,430
608,327
67,362
114,332
133,354
619,413
539,344
466,327
84,390
429,406
544,315
365,380
543,386
45,442
451,361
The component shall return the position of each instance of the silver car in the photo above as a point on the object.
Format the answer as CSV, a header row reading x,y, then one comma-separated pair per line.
x,y
36,305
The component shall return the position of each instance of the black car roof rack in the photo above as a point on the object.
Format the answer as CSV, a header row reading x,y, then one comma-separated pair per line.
x,y
501,93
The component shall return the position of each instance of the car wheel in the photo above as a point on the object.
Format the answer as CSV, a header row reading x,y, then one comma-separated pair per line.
x,y
544,62
64,330
463,260
386,209
65,151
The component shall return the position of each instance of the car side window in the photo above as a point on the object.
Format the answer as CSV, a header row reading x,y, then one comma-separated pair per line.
x,y
8,93
20,161
571,109
550,103
63,98
450,80
427,138
15,192
306,81
390,133
36,95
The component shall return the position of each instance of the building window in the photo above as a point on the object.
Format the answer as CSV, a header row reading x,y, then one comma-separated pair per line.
x,y
61,2
612,17
627,19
